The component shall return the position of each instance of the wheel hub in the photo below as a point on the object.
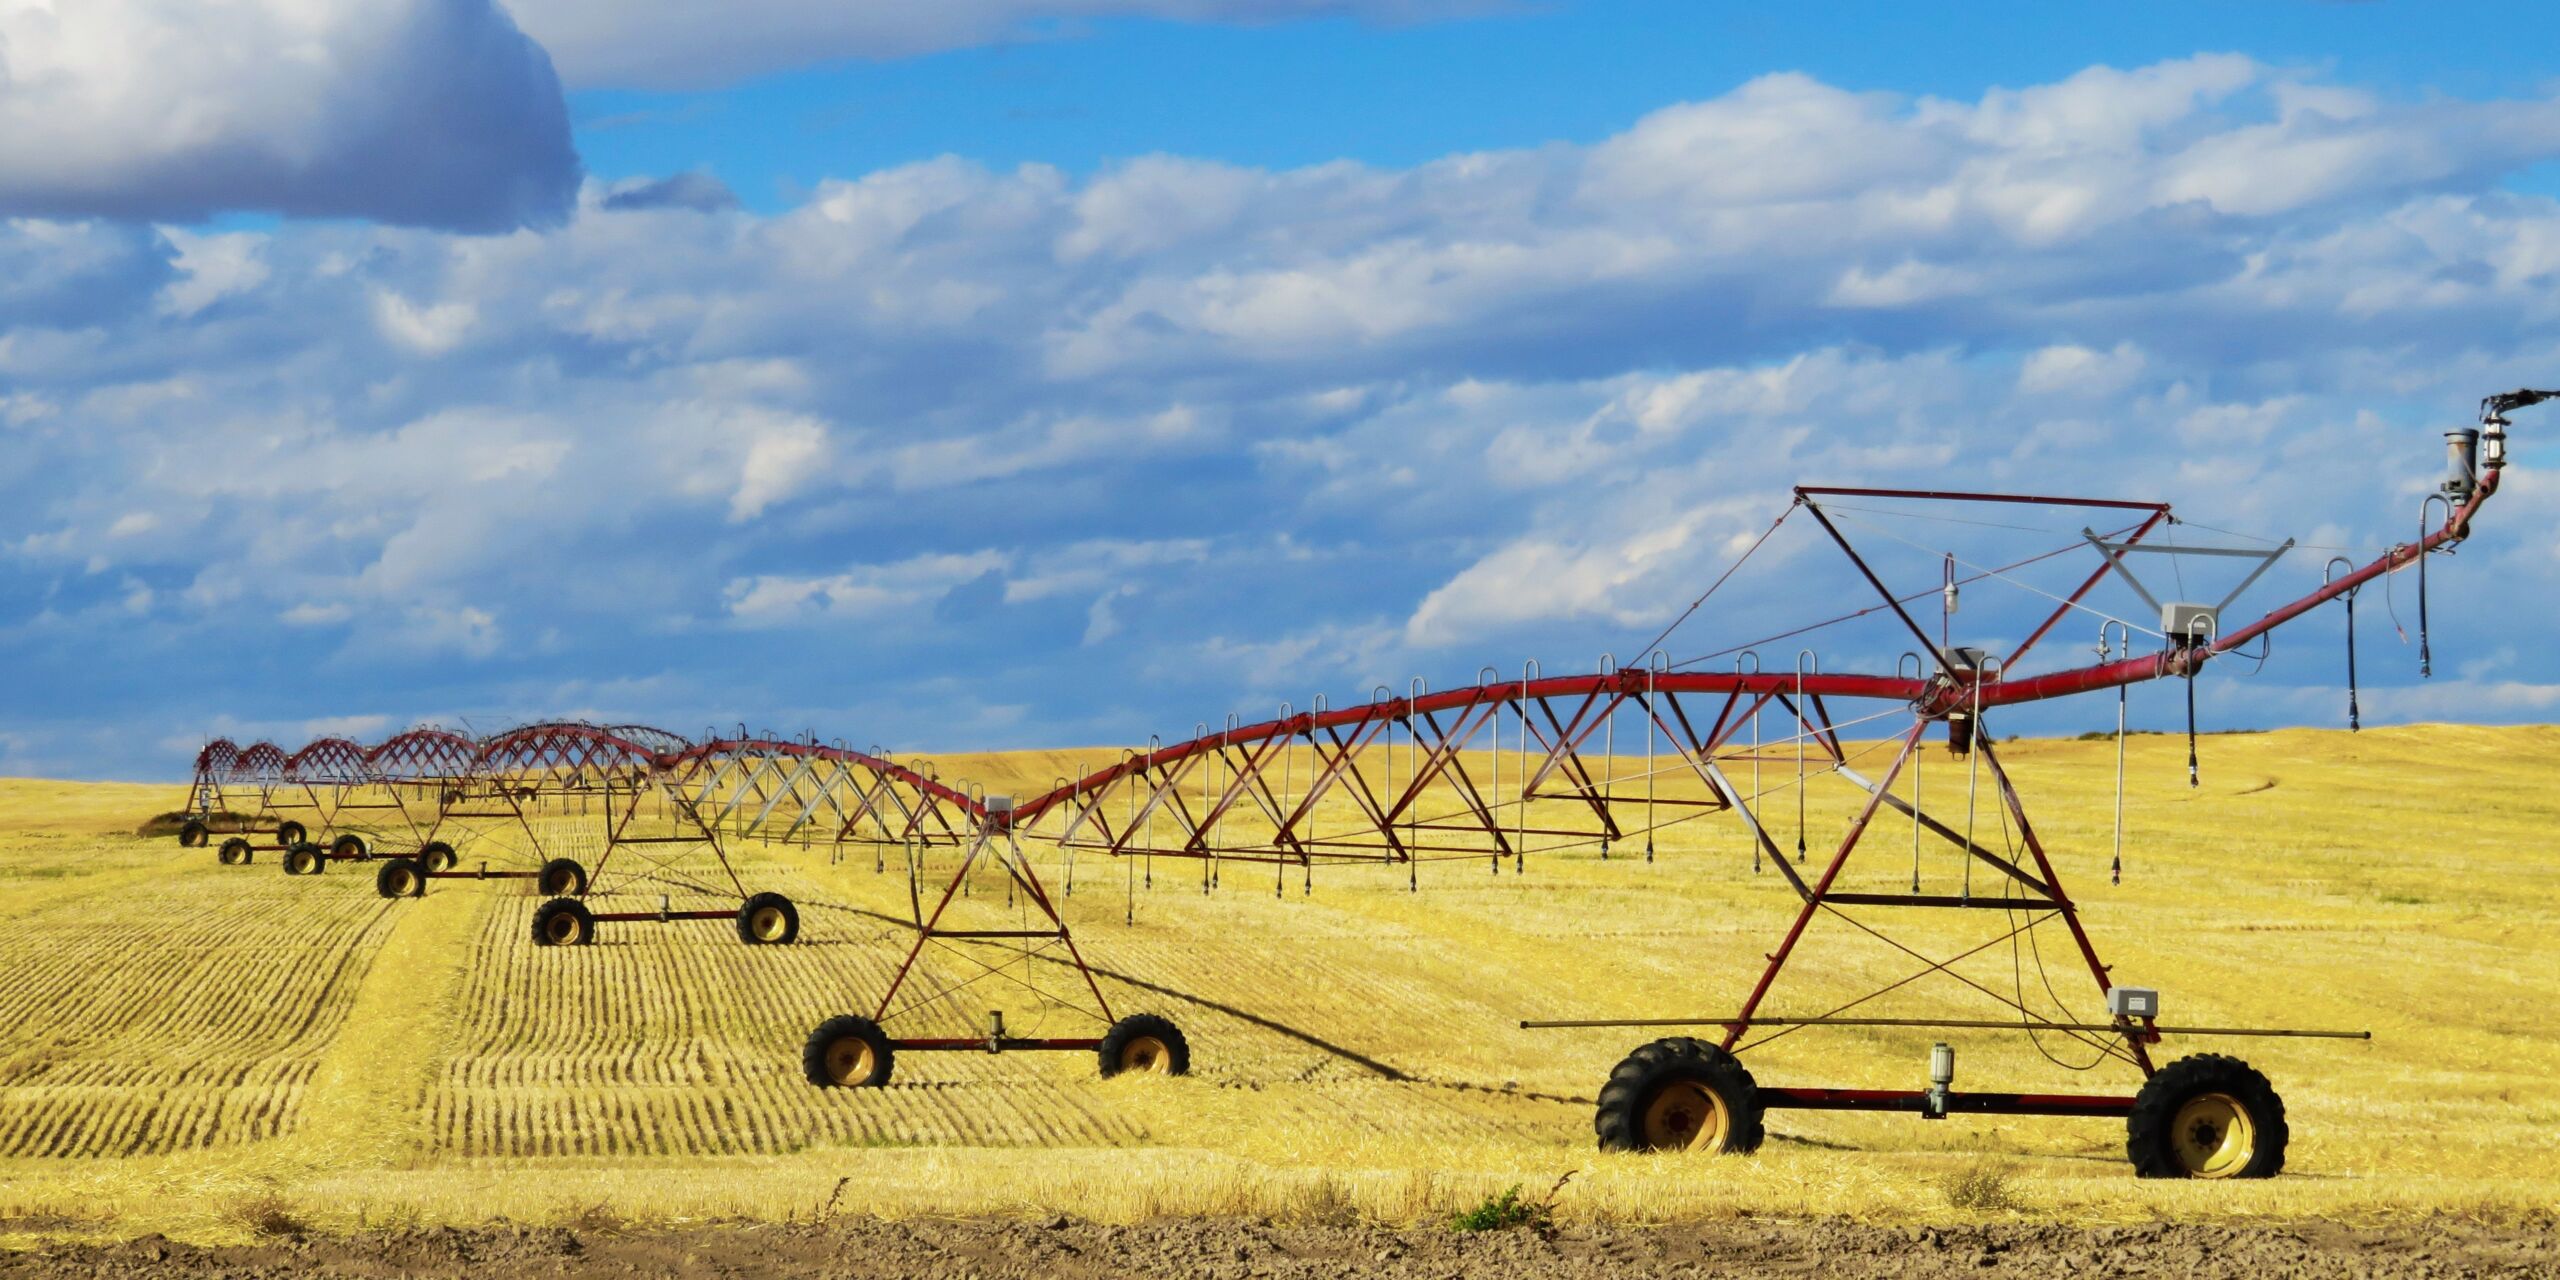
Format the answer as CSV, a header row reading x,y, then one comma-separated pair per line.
x,y
849,1061
2214,1136
1146,1054
1686,1116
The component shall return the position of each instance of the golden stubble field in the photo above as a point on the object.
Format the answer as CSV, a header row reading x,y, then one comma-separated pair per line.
x,y
189,1048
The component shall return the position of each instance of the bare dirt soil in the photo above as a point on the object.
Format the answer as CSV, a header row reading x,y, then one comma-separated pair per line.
x,y
1244,1250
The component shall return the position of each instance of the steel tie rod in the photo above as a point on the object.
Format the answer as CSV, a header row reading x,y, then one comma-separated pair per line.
x,y
1981,1024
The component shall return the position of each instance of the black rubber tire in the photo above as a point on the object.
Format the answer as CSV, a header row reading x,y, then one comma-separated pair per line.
x,y
563,922
193,834
1640,1079
400,878
350,847
768,919
235,852
1143,1044
290,833
304,859
436,855
562,878
833,1058
2151,1138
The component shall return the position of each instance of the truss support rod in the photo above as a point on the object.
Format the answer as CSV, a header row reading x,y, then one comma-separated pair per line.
x,y
1822,887
2087,585
1977,1024
1944,664
1947,833
1733,797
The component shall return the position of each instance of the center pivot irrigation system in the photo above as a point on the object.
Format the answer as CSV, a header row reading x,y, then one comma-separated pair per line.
x,y
1507,768
1488,774
582,810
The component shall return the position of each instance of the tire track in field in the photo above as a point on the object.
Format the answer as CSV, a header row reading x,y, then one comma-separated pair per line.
x,y
366,1103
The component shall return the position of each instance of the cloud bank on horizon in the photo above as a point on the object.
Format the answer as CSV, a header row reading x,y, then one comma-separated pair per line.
x,y
949,455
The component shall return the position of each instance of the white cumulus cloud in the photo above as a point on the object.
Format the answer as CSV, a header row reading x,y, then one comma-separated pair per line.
x,y
781,460
423,112
1108,446
874,591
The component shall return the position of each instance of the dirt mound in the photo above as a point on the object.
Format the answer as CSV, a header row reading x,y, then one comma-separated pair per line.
x,y
1261,1251
167,824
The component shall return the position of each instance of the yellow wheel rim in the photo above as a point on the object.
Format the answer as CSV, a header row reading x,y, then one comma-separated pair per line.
x,y
563,928
849,1060
1146,1055
402,883
1686,1116
2214,1136
767,923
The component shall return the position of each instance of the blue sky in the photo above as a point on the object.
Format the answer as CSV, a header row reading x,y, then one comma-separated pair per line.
x,y
1015,372
1084,94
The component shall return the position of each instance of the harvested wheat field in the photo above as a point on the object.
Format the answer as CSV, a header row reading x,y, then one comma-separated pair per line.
x,y
224,1053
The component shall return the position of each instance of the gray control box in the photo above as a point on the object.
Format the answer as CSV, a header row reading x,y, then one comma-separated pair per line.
x,y
2184,622
2133,1002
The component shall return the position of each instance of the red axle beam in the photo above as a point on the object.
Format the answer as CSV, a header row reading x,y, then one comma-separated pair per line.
x,y
1917,1100
1008,1044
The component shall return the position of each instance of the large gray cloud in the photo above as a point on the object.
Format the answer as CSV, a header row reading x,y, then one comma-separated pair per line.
x,y
433,113
955,455
683,44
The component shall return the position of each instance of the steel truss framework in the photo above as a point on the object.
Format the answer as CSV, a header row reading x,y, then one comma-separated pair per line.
x,y
233,785
782,791
1418,777
227,773
623,794
331,788
483,802
645,834
496,808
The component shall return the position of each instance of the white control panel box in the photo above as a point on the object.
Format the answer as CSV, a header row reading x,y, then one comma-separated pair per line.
x,y
2186,623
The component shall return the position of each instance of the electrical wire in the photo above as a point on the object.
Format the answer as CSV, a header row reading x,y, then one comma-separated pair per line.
x,y
2017,974
2259,537
2003,575
1856,614
1730,570
1914,515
